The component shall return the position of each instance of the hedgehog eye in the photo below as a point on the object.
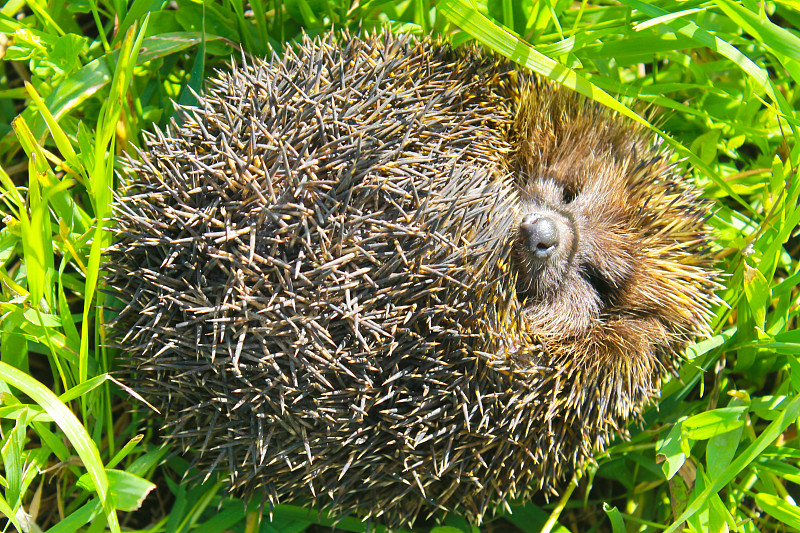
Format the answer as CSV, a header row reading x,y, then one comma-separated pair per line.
x,y
604,287
568,195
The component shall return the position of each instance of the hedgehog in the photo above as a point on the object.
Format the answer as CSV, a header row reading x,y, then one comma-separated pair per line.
x,y
387,277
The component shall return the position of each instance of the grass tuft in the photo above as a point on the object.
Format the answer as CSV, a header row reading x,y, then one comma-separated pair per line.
x,y
81,80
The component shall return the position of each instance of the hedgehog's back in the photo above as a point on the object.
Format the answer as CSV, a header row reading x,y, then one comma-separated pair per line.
x,y
315,266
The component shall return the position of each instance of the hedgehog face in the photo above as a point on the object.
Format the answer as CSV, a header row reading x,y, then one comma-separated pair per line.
x,y
573,266
548,256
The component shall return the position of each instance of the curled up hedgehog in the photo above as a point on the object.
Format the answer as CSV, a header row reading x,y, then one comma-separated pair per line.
x,y
385,276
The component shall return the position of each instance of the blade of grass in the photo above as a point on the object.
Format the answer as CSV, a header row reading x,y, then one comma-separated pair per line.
x,y
511,46
11,193
73,430
785,44
120,455
98,73
63,204
706,38
62,141
102,172
767,437
6,510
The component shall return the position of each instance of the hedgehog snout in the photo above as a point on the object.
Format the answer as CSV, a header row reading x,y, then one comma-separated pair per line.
x,y
544,252
540,235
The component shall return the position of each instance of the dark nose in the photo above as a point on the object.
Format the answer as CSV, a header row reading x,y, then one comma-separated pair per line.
x,y
539,235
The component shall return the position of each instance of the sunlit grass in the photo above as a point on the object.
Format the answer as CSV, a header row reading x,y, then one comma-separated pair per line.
x,y
79,83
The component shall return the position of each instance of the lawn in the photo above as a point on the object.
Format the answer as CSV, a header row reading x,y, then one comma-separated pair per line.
x,y
81,81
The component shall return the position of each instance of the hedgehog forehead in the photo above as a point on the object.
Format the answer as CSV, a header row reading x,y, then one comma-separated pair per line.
x,y
541,193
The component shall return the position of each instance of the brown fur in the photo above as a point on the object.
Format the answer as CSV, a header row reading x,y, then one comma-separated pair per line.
x,y
611,179
616,312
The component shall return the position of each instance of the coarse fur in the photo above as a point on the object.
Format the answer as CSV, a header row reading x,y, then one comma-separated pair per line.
x,y
331,294
634,282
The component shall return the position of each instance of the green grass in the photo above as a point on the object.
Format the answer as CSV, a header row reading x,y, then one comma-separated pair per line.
x,y
81,81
